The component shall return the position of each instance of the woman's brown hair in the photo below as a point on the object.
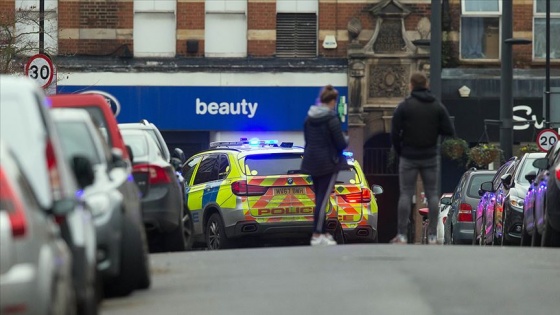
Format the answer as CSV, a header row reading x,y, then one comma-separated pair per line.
x,y
328,94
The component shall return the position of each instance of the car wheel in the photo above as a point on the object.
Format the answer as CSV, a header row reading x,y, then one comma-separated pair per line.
x,y
482,237
89,304
216,233
535,237
338,235
134,269
188,229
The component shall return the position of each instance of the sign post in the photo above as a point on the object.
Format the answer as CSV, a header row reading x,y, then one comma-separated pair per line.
x,y
546,139
41,69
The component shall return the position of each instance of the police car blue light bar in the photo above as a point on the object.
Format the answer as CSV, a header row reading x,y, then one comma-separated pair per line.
x,y
348,154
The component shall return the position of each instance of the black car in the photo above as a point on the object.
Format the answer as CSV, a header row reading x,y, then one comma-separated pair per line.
x,y
167,223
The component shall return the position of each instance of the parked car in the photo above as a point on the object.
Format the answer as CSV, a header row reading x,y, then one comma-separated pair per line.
x,y
443,206
154,132
28,130
508,208
490,191
541,223
96,106
122,259
463,205
164,215
250,189
354,202
35,262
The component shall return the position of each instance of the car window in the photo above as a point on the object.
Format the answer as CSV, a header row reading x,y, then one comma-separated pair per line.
x,y
504,169
154,136
273,164
188,168
138,144
476,181
76,140
208,170
526,168
348,177
100,121
223,166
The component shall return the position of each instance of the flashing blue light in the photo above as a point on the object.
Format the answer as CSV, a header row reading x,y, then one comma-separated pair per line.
x,y
79,193
254,141
348,154
271,142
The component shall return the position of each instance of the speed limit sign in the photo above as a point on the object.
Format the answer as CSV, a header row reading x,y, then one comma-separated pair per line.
x,y
41,69
546,139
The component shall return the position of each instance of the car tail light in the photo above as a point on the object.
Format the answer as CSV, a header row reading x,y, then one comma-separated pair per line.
x,y
156,174
10,202
557,171
361,197
465,213
240,188
444,219
52,168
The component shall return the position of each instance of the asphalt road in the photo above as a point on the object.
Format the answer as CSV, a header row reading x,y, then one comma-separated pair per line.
x,y
350,279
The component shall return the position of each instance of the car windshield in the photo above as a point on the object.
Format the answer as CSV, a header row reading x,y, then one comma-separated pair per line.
x,y
526,168
348,177
273,164
99,121
76,140
476,180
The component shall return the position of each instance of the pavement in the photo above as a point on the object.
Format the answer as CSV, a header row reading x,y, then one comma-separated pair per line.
x,y
350,279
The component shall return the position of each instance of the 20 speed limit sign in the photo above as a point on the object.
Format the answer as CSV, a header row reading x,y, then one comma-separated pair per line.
x,y
40,68
546,139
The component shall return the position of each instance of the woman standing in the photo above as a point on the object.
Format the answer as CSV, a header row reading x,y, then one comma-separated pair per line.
x,y
324,144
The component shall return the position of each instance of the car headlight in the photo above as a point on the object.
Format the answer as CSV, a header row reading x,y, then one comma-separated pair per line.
x,y
516,202
98,204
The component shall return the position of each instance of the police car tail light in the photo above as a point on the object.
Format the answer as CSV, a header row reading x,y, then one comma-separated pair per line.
x,y
465,213
240,188
360,197
10,202
156,174
557,172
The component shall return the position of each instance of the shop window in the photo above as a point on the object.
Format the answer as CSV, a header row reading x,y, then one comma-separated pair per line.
x,y
225,28
155,28
480,29
27,27
539,29
296,35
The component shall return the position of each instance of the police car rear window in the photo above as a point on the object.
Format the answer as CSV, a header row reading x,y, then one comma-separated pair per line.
x,y
273,164
476,181
348,177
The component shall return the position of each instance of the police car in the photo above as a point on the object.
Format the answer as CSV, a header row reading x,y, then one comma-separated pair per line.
x,y
354,202
250,188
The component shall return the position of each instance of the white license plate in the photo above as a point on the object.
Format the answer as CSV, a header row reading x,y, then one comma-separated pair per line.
x,y
289,191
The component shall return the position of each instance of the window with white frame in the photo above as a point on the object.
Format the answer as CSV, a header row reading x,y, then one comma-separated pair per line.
x,y
155,28
296,28
480,29
539,29
27,27
225,28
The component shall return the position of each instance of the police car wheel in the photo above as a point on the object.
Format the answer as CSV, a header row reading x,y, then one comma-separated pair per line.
x,y
216,233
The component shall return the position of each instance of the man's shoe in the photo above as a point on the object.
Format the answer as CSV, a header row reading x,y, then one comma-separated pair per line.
x,y
322,240
399,239
432,240
328,240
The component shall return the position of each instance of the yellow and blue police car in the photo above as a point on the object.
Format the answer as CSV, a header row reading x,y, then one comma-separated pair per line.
x,y
250,188
354,202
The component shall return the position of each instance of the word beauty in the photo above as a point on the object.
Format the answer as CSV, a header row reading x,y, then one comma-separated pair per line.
x,y
224,108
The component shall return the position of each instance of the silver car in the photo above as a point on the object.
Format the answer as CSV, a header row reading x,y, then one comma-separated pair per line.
x,y
35,262
27,128
122,259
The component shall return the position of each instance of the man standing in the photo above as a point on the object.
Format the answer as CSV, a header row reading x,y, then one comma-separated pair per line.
x,y
418,121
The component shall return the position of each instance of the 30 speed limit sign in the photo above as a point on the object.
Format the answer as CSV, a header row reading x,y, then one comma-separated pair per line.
x,y
546,139
41,69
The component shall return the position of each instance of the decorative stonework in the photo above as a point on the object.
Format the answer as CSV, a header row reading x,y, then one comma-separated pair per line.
x,y
388,81
390,33
390,38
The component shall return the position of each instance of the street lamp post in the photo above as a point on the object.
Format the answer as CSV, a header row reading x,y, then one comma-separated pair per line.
x,y
41,26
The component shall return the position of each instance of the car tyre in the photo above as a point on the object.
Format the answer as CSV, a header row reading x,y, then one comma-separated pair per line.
x,y
134,269
89,305
525,237
216,233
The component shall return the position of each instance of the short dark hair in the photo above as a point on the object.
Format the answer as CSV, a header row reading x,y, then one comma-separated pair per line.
x,y
328,94
418,80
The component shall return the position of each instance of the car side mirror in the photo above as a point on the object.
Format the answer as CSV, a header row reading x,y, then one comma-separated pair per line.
x,y
179,154
83,170
63,207
530,177
176,163
485,187
117,158
446,201
506,180
541,163
376,189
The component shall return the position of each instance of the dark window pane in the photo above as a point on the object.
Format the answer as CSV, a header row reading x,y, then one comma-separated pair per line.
x,y
207,171
273,164
480,38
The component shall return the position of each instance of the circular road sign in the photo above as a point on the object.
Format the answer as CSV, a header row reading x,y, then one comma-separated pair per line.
x,y
41,69
546,139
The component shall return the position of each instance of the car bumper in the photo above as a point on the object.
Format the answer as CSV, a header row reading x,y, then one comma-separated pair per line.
x,y
513,224
362,233
275,229
161,209
463,232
